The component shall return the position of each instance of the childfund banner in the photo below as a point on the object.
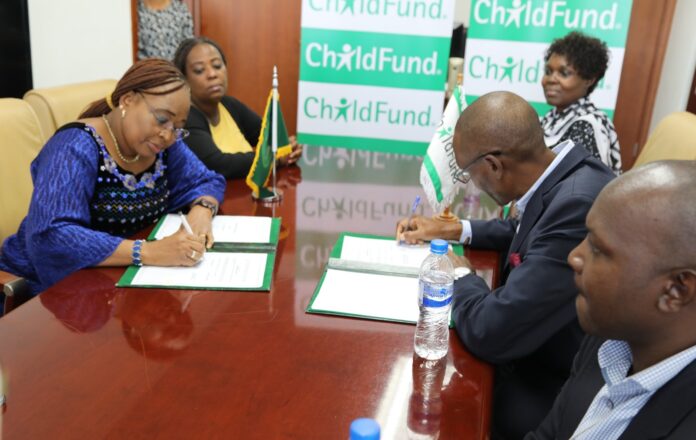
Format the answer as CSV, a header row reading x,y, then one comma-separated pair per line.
x,y
372,73
507,40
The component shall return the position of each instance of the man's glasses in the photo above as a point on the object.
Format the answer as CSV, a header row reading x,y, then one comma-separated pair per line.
x,y
463,175
165,123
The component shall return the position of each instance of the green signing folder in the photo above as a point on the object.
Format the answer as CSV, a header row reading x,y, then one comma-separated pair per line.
x,y
371,277
242,257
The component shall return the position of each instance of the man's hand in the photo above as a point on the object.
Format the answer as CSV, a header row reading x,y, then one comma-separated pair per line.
x,y
418,229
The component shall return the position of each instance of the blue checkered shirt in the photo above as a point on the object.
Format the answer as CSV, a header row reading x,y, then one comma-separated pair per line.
x,y
622,397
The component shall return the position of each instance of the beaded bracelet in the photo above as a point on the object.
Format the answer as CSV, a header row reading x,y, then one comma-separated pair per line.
x,y
135,255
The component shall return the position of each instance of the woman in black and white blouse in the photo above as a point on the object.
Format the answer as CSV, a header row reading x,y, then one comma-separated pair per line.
x,y
162,25
574,66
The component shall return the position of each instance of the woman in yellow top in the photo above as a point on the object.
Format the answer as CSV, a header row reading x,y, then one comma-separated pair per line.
x,y
223,129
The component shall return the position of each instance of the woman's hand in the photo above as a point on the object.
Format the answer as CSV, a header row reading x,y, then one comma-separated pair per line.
x,y
294,155
179,249
200,219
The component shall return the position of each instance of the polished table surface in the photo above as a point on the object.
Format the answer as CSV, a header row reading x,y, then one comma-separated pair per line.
x,y
88,360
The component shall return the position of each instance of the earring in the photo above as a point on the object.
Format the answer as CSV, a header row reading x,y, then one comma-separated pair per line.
x,y
123,112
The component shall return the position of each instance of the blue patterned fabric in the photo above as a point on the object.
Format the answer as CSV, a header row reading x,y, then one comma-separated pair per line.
x,y
122,211
58,236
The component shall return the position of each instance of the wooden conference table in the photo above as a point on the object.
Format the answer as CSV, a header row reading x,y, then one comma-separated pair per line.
x,y
88,360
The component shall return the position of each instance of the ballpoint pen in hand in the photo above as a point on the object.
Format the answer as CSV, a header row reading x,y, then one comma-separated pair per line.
x,y
416,202
185,223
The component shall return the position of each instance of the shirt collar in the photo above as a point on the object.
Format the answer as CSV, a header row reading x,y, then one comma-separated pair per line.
x,y
561,151
615,360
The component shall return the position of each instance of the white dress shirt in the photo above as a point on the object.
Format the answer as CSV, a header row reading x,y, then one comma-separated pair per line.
x,y
561,151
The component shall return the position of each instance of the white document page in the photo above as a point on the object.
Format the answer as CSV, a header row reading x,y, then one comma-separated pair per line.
x,y
373,250
226,228
369,295
216,270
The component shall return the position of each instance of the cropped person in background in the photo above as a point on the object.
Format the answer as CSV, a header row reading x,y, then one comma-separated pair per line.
x,y
162,25
635,374
115,171
574,66
223,130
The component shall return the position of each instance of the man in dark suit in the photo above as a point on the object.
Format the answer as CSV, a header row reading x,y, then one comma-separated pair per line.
x,y
528,325
635,375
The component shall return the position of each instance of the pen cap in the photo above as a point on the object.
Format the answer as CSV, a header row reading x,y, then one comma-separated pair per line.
x,y
364,429
439,246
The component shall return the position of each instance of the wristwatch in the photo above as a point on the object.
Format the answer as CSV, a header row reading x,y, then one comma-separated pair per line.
x,y
207,204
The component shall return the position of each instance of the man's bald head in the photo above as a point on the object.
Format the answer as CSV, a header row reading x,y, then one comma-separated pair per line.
x,y
661,198
500,121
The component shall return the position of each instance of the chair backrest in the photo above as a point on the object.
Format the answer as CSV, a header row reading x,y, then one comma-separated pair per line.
x,y
21,140
674,137
56,106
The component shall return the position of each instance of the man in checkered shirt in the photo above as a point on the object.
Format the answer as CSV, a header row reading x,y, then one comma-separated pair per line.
x,y
635,374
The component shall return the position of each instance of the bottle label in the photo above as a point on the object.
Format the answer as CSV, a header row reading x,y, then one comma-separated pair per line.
x,y
436,296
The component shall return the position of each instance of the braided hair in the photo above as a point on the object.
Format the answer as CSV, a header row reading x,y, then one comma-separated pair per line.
x,y
142,77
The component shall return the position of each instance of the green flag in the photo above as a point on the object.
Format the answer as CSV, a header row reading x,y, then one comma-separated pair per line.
x,y
261,169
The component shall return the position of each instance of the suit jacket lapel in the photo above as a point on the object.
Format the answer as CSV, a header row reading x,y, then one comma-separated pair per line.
x,y
535,206
666,408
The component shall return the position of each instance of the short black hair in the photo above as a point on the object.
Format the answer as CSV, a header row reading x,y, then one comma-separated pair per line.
x,y
182,52
588,55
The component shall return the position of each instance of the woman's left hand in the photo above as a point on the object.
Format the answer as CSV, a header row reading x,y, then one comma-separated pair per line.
x,y
201,220
294,155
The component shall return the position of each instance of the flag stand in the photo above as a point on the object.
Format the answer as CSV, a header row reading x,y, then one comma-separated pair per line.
x,y
275,195
446,216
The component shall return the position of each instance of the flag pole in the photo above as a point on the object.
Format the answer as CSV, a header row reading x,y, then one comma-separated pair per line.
x,y
275,195
274,134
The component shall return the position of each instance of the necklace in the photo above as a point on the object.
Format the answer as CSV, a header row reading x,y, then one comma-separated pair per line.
x,y
118,150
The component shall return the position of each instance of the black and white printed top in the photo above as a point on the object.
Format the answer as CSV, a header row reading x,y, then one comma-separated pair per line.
x,y
161,31
584,123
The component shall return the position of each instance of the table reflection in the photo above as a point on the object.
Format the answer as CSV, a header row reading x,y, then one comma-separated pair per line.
x,y
425,403
156,325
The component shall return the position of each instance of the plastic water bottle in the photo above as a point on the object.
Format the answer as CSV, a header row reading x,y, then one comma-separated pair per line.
x,y
364,429
436,279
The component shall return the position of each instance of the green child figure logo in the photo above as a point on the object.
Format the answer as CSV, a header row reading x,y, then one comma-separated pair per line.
x,y
348,4
444,132
342,110
508,68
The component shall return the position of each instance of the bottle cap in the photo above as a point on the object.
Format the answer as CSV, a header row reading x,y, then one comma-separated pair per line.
x,y
439,246
364,429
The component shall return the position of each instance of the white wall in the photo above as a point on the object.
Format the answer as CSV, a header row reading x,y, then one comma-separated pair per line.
x,y
79,40
680,61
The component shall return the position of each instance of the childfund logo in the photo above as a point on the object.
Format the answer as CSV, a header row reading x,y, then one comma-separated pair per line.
x,y
429,9
548,13
510,69
357,58
344,110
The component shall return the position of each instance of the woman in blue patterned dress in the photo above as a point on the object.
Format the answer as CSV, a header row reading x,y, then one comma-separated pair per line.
x,y
110,174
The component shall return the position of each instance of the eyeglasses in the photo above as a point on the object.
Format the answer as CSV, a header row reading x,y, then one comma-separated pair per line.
x,y
463,175
165,123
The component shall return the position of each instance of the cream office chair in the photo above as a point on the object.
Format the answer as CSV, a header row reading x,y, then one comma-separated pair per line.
x,y
20,141
56,106
674,137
